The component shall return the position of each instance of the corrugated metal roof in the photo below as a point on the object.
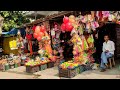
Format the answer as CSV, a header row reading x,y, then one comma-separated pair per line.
x,y
42,13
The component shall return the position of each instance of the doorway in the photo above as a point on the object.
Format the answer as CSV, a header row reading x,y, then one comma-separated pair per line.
x,y
107,29
67,46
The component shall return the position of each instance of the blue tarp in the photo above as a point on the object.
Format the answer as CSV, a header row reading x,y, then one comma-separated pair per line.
x,y
14,31
5,33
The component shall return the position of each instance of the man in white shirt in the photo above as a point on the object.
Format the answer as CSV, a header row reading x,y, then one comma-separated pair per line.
x,y
108,51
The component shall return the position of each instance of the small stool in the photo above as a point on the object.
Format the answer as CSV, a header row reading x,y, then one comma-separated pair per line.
x,y
111,61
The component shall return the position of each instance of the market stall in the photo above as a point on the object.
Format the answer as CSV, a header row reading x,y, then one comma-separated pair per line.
x,y
50,34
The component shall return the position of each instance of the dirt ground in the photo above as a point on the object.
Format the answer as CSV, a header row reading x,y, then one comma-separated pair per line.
x,y
52,73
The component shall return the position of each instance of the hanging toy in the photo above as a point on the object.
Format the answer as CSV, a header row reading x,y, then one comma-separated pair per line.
x,y
93,26
88,27
69,27
80,30
84,19
37,29
89,17
99,15
42,29
53,33
65,19
90,41
96,24
84,44
105,14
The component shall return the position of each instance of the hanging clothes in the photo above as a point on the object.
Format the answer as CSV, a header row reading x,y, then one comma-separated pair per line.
x,y
99,15
29,38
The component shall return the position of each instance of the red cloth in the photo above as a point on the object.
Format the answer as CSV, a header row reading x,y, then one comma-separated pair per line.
x,y
100,15
30,44
29,36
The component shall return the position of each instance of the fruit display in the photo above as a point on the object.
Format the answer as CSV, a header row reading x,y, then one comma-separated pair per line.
x,y
32,63
44,60
69,65
37,61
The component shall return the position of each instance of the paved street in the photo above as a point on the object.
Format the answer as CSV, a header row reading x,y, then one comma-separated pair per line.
x,y
52,73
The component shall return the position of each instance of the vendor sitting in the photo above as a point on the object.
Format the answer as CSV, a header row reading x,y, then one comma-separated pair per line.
x,y
108,51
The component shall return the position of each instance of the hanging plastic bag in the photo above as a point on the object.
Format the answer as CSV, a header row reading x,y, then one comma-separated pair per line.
x,y
80,30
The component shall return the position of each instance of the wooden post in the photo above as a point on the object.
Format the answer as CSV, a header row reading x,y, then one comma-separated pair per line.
x,y
1,24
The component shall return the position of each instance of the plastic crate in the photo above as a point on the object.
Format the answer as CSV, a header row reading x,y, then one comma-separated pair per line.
x,y
7,67
32,69
22,62
50,64
12,66
88,67
68,73
15,65
77,70
43,67
82,68
2,67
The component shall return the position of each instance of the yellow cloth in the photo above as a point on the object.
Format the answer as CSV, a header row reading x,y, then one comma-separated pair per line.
x,y
13,44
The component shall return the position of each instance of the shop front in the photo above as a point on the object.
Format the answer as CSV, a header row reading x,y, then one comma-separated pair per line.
x,y
71,41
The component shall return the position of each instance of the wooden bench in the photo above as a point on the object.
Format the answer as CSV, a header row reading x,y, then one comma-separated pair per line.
x,y
111,62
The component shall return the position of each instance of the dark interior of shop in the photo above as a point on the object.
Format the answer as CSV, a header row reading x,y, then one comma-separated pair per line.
x,y
106,29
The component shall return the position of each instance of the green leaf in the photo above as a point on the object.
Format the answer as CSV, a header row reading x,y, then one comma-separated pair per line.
x,y
13,18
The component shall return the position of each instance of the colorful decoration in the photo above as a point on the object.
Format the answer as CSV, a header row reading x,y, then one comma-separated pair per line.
x,y
42,29
69,65
37,29
40,34
63,27
33,28
39,38
90,41
65,19
105,14
69,26
35,35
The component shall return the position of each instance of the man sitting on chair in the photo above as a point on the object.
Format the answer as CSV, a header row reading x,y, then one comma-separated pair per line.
x,y
108,51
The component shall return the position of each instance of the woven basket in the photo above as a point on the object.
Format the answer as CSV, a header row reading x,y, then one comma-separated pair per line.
x,y
32,69
68,73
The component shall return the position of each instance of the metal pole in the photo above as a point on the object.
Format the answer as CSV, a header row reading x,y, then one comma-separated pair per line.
x,y
35,15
